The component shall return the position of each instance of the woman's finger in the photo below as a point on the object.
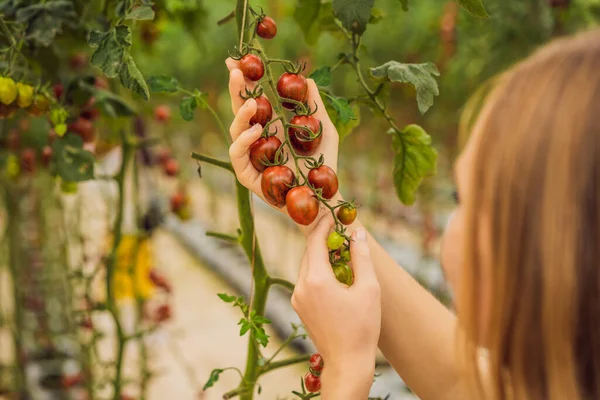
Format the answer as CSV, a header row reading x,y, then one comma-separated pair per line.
x,y
237,86
315,100
240,158
316,248
362,265
241,122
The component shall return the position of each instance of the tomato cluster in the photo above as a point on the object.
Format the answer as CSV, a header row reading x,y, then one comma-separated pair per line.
x,y
312,379
19,95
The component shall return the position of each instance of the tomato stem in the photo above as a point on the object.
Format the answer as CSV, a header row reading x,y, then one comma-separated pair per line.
x,y
218,163
281,282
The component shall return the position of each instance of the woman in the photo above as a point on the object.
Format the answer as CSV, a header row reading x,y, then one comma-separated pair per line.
x,y
521,252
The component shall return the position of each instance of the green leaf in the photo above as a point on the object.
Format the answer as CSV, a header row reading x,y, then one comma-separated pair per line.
x,y
322,76
162,84
109,53
259,319
354,14
132,78
141,13
344,129
306,14
421,76
245,326
73,163
261,337
376,16
414,160
474,7
113,105
343,109
45,20
95,38
404,4
201,99
123,35
214,377
226,298
187,107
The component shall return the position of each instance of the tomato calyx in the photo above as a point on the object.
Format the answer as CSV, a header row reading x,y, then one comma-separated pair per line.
x,y
294,68
308,135
311,163
252,94
304,110
239,53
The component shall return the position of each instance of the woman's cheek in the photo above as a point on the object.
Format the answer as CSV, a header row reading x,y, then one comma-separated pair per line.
x,y
452,249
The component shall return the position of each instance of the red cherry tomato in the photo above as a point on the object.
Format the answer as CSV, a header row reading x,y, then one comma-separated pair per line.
x,y
347,214
266,28
164,155
302,205
78,61
171,167
325,179
316,364
90,112
178,200
58,90
264,149
292,86
46,155
300,138
264,112
312,383
276,183
252,67
163,313
162,113
84,128
28,160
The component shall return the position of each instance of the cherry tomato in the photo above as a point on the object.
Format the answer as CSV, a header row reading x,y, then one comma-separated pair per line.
x,y
264,112
46,155
266,28
312,383
252,67
178,200
335,241
160,281
276,183
28,160
8,90
8,111
162,113
302,205
84,128
264,149
292,86
68,381
163,313
325,179
78,61
347,214
24,95
184,213
171,167
90,112
315,363
58,90
40,105
164,155
101,83
300,138
345,255
343,273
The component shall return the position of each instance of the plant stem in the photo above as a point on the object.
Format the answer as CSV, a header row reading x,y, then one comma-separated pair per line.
x,y
224,236
284,363
281,282
213,161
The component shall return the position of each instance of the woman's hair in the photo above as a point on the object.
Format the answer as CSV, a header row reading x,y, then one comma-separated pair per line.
x,y
535,202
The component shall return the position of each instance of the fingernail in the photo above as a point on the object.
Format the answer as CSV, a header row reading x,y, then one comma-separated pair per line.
x,y
256,127
360,235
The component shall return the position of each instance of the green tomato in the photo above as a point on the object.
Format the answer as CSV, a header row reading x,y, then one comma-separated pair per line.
x,y
335,241
25,95
343,273
345,255
8,90
12,167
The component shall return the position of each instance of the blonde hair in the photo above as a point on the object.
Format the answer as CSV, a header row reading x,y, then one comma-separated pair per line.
x,y
536,200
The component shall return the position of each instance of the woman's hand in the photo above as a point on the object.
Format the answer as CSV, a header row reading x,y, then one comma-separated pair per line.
x,y
343,322
243,135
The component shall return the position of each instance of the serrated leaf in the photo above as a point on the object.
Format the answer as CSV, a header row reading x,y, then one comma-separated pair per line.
x,y
259,319
109,54
474,7
344,129
261,337
45,20
132,78
95,38
245,327
123,35
141,13
214,377
306,14
226,298
322,76
354,14
201,99
73,163
421,76
414,160
343,109
404,4
187,107
162,84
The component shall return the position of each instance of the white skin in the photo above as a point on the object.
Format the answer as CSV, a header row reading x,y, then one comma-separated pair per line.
x,y
384,307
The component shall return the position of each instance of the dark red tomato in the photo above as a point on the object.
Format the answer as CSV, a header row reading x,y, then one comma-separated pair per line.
x,y
347,215
178,200
58,89
325,179
84,128
78,61
316,364
171,167
292,86
276,183
264,111
312,383
162,113
266,28
28,160
68,381
300,137
302,205
252,67
264,149
90,112
46,155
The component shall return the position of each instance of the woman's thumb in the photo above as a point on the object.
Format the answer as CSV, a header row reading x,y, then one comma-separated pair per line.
x,y
361,255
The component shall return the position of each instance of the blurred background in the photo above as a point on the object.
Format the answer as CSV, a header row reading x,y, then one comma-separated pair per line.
x,y
57,327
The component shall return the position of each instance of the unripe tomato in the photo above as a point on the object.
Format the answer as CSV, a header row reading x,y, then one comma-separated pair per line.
x,y
8,90
315,363
84,128
171,167
324,178
264,149
264,112
276,183
266,28
302,205
58,90
312,383
345,255
301,139
292,86
28,160
347,214
40,105
162,113
184,213
24,95
252,67
68,187
343,273
335,241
